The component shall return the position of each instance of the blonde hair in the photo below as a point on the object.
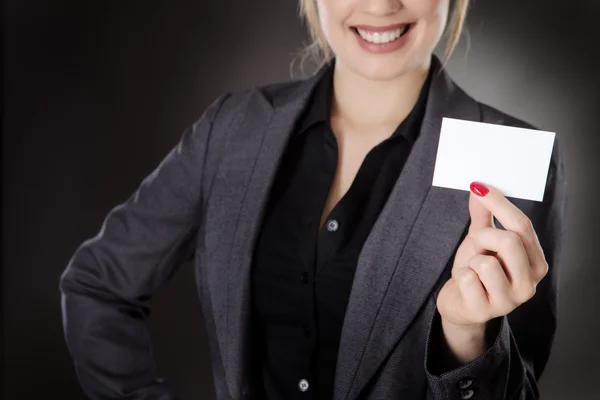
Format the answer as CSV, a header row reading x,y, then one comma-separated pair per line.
x,y
320,52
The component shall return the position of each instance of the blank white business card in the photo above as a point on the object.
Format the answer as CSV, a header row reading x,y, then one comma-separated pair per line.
x,y
512,160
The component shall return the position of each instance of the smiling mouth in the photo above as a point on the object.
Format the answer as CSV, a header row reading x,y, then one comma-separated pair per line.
x,y
382,37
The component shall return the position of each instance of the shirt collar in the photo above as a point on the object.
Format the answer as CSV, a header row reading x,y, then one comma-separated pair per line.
x,y
319,108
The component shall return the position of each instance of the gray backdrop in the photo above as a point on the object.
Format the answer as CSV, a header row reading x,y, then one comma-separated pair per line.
x,y
97,92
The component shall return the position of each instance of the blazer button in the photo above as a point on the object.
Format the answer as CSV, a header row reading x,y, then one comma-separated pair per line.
x,y
465,383
466,394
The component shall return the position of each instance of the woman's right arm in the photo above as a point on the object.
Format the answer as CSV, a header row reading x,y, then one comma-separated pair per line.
x,y
109,279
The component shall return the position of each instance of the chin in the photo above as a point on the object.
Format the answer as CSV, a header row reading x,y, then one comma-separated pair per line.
x,y
384,68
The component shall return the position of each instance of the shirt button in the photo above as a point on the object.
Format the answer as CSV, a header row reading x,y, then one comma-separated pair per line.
x,y
465,383
303,385
466,394
305,277
332,225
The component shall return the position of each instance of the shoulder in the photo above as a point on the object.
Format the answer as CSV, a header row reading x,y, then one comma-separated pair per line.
x,y
267,96
493,115
234,116
556,184
233,111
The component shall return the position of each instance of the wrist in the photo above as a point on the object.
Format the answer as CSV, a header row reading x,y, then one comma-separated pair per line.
x,y
464,343
464,330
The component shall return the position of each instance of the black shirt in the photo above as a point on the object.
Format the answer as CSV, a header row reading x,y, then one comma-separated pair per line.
x,y
302,277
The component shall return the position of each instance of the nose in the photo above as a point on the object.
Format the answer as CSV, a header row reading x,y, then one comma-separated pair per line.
x,y
382,8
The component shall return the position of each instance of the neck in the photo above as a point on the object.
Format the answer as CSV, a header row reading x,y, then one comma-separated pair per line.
x,y
367,105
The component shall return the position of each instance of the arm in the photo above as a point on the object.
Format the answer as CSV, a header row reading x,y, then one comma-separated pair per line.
x,y
519,344
110,277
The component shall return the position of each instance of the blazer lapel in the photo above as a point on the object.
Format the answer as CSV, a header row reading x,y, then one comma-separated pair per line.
x,y
243,183
408,248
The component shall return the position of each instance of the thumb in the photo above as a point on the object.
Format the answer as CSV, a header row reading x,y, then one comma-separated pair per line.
x,y
481,217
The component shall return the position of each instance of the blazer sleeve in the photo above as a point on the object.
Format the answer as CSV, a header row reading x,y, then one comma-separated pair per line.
x,y
512,366
110,278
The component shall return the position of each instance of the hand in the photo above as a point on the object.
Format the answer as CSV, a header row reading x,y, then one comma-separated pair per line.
x,y
494,270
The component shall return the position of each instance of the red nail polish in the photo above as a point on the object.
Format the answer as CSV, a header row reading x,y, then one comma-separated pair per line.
x,y
479,189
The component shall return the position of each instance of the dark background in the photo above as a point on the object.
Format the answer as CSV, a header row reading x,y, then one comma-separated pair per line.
x,y
96,93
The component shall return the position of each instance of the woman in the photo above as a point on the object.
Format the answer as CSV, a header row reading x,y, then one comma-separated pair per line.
x,y
327,265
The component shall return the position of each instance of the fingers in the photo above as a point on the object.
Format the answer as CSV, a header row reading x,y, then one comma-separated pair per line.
x,y
499,291
514,220
474,299
485,291
511,252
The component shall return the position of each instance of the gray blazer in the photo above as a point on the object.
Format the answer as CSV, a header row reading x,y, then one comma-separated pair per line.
x,y
205,200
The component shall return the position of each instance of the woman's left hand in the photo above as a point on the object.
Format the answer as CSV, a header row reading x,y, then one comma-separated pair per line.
x,y
494,270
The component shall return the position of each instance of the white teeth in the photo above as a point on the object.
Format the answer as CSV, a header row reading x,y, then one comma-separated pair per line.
x,y
380,37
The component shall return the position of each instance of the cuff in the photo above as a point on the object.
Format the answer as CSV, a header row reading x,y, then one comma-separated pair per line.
x,y
483,378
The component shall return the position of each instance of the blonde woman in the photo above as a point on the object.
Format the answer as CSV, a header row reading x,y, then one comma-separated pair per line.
x,y
327,265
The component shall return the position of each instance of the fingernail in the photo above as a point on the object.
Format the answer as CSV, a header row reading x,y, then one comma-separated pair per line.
x,y
479,189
